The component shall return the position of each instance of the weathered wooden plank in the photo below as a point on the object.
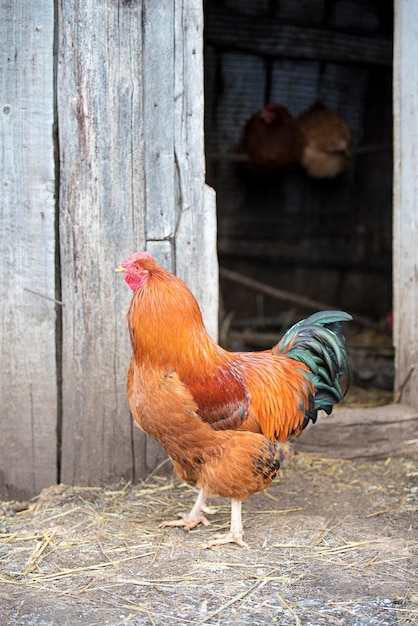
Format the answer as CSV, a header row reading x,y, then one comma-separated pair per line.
x,y
159,122
101,222
363,433
405,223
28,379
162,251
272,38
195,243
208,291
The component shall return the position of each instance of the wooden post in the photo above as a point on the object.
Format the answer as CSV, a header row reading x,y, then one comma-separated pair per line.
x,y
28,377
195,237
405,222
100,119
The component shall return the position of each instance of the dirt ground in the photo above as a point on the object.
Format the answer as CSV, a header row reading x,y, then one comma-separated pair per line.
x,y
334,540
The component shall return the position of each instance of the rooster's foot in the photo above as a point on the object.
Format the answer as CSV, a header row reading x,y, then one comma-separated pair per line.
x,y
232,537
186,522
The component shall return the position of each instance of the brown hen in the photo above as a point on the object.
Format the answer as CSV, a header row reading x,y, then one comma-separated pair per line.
x,y
326,142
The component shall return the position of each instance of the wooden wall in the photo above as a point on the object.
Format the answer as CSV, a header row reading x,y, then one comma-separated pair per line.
x,y
103,156
28,373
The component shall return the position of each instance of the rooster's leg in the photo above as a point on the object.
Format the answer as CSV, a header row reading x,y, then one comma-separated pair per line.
x,y
236,533
195,517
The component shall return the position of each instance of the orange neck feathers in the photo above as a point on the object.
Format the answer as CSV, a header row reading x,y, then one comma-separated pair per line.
x,y
165,319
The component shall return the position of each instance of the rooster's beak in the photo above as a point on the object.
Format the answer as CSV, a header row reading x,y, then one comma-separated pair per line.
x,y
120,269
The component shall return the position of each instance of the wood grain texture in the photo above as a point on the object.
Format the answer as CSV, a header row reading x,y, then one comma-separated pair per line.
x,y
159,121
195,240
101,222
28,382
368,433
405,221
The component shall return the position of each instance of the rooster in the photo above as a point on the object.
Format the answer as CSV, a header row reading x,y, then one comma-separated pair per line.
x,y
272,139
326,141
223,417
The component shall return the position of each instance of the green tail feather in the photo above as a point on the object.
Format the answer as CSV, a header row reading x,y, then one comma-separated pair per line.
x,y
318,342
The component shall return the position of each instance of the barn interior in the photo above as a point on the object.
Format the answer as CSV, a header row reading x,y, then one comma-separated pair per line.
x,y
319,240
